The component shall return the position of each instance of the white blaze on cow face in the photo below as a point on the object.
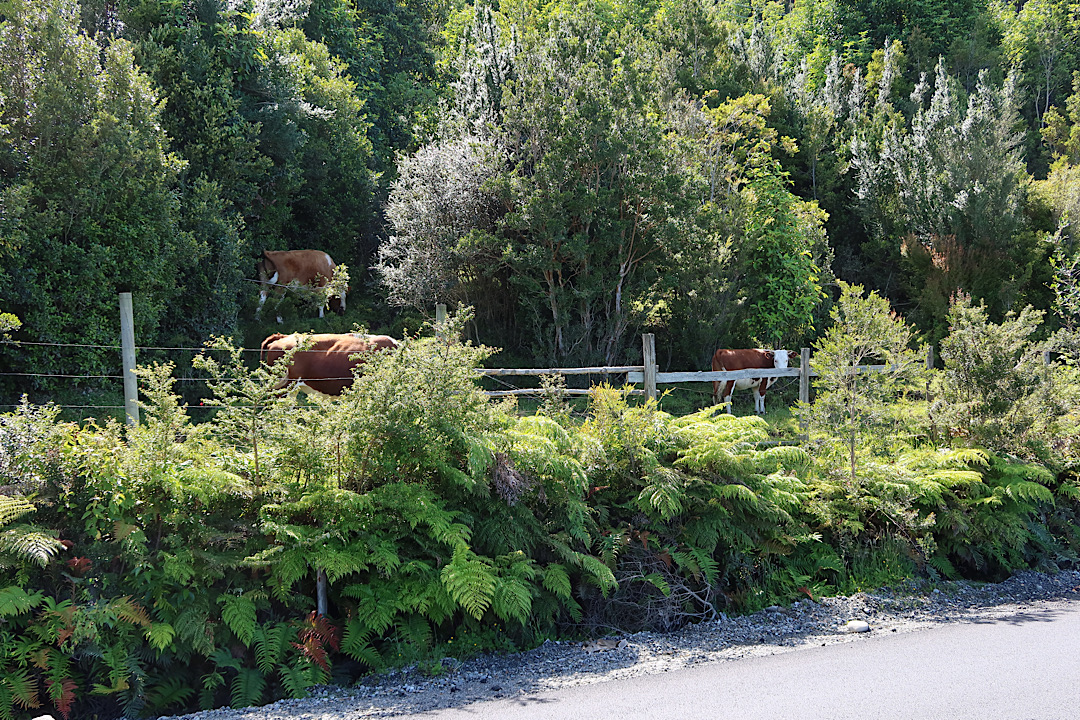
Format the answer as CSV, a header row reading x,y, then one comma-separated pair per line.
x,y
264,292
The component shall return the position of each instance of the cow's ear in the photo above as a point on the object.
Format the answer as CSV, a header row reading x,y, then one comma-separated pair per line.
x,y
770,354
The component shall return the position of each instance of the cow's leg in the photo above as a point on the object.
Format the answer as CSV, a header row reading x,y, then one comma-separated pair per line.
x,y
729,390
321,308
716,393
759,396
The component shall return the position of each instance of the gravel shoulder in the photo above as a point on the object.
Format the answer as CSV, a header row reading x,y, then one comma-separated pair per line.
x,y
553,665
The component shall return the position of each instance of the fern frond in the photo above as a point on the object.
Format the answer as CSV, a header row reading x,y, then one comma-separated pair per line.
x,y
16,601
791,457
172,694
127,609
1069,490
159,635
239,615
598,572
13,508
271,644
209,684
247,687
736,491
556,580
942,565
479,457
378,603
663,494
1029,490
470,581
356,643
954,478
30,544
193,625
295,681
657,580
512,599
22,688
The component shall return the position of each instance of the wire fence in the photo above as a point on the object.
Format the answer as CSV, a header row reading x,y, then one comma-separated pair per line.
x,y
493,376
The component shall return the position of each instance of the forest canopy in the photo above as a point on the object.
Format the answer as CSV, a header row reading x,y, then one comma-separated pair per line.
x,y
578,172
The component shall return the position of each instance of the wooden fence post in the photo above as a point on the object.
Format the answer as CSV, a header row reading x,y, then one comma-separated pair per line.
x,y
127,344
648,359
804,389
804,375
440,318
929,367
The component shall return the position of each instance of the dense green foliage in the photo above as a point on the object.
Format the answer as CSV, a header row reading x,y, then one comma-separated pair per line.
x,y
718,172
170,566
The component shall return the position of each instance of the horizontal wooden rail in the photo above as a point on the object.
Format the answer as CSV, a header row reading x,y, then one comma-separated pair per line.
x,y
725,375
717,375
602,370
540,391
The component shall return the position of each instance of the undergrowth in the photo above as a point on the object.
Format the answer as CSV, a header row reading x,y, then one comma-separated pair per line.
x,y
172,566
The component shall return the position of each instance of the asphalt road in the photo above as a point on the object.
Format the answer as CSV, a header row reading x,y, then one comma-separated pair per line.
x,y
1026,666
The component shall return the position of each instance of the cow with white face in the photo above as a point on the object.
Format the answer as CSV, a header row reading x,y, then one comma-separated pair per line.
x,y
745,360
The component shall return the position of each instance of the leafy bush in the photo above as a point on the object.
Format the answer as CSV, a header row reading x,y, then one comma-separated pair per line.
x,y
996,391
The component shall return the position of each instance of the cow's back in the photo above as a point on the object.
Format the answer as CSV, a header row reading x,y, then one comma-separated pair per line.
x,y
303,266
741,359
326,363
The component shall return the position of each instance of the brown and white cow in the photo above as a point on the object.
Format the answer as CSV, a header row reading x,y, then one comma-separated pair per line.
x,y
278,268
326,363
744,360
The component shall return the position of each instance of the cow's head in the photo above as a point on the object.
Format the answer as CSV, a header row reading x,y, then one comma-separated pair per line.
x,y
780,358
265,268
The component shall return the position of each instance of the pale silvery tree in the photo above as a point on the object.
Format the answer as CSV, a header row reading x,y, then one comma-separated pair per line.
x,y
441,194
444,191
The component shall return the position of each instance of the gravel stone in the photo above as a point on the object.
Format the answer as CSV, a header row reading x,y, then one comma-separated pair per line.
x,y
908,607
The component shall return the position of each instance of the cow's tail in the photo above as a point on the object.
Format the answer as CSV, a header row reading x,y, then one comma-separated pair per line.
x,y
266,345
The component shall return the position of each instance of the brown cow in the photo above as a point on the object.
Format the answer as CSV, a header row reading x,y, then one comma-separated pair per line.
x,y
278,268
326,365
744,360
